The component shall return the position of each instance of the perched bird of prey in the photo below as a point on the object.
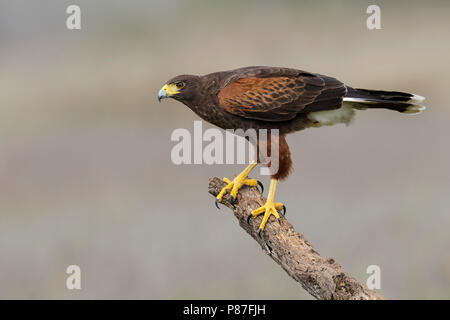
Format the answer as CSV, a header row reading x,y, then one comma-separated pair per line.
x,y
286,99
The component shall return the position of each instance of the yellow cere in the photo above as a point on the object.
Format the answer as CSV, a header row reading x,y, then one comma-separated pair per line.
x,y
171,89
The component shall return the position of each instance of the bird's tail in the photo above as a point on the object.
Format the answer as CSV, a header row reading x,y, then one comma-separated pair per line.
x,y
392,100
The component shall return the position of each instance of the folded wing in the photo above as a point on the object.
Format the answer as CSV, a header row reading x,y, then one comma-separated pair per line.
x,y
279,94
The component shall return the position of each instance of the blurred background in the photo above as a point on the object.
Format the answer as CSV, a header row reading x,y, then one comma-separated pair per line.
x,y
85,170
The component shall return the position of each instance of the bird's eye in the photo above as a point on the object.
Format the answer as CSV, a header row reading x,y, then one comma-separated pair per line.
x,y
180,85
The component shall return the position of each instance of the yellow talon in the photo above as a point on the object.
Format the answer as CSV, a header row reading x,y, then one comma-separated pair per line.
x,y
237,183
269,208
251,182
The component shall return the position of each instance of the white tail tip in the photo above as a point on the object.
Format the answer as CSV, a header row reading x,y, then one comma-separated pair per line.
x,y
416,98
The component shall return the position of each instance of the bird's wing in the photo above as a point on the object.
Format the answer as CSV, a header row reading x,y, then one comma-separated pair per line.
x,y
279,94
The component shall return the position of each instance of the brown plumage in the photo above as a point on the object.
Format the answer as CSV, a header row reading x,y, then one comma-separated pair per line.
x,y
284,156
278,98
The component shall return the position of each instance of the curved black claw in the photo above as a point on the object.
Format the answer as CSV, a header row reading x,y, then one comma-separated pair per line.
x,y
261,185
248,218
259,233
284,210
217,203
232,200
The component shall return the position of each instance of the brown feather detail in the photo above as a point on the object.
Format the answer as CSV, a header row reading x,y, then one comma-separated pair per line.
x,y
261,98
280,98
280,163
253,93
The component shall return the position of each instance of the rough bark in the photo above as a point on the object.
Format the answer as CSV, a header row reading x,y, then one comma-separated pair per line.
x,y
322,278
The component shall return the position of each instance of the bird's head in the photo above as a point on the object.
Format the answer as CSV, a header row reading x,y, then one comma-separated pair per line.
x,y
183,88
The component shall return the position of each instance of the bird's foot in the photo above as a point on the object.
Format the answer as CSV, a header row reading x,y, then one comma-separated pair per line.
x,y
269,208
238,182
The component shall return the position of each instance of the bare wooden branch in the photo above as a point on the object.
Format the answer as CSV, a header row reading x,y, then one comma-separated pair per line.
x,y
323,278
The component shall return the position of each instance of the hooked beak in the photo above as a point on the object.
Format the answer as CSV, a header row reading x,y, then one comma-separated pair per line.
x,y
163,93
168,91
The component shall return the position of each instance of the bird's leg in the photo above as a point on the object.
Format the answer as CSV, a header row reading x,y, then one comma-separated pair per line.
x,y
237,183
269,208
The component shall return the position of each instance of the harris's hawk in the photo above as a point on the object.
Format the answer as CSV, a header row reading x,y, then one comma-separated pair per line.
x,y
285,99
